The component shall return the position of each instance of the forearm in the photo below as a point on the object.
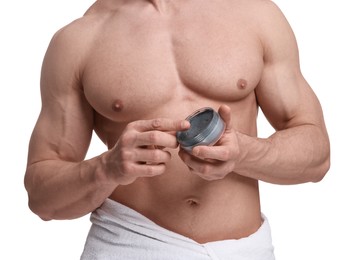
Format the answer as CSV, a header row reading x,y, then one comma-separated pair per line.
x,y
295,155
66,190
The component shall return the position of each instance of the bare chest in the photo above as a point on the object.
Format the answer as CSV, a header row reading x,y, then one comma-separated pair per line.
x,y
139,65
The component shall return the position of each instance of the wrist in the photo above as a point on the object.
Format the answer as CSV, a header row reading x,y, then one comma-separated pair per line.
x,y
252,153
103,172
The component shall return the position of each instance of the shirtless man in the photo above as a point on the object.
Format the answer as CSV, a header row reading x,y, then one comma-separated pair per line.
x,y
132,71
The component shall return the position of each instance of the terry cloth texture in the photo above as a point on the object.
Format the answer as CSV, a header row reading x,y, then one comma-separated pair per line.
x,y
118,232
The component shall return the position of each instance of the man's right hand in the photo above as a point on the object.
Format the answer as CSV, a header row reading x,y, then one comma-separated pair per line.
x,y
139,152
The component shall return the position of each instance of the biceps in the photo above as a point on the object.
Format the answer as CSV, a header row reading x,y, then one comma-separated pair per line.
x,y
62,132
287,100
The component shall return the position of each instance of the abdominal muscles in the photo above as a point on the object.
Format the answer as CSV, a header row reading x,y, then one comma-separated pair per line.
x,y
201,210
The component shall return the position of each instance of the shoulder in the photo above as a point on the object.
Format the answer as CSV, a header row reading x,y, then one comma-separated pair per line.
x,y
264,16
257,8
78,33
267,6
71,44
274,31
81,32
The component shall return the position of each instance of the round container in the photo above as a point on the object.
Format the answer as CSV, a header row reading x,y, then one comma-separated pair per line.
x,y
206,129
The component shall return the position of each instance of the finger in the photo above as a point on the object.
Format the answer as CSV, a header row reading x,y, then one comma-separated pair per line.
x,y
156,139
190,160
225,113
219,153
161,124
155,156
148,170
206,169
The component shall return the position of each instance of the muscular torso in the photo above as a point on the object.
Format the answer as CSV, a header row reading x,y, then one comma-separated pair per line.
x,y
145,63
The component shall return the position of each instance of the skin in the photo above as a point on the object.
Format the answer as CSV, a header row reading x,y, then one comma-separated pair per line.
x,y
132,71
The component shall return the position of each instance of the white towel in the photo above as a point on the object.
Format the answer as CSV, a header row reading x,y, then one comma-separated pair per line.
x,y
118,232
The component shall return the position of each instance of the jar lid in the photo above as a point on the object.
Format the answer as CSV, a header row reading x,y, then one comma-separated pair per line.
x,y
206,128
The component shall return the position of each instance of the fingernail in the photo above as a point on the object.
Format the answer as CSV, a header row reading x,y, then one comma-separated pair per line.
x,y
185,124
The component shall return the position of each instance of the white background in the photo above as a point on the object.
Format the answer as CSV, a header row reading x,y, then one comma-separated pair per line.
x,y
309,221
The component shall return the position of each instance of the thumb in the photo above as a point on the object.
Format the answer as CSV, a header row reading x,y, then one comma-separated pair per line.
x,y
225,112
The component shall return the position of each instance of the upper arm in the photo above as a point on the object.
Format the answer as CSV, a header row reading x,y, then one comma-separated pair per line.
x,y
64,127
283,94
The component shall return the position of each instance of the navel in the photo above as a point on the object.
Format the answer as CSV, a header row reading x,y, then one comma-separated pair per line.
x,y
193,203
242,84
117,105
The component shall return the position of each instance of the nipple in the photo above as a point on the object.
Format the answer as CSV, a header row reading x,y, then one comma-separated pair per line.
x,y
242,84
117,105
